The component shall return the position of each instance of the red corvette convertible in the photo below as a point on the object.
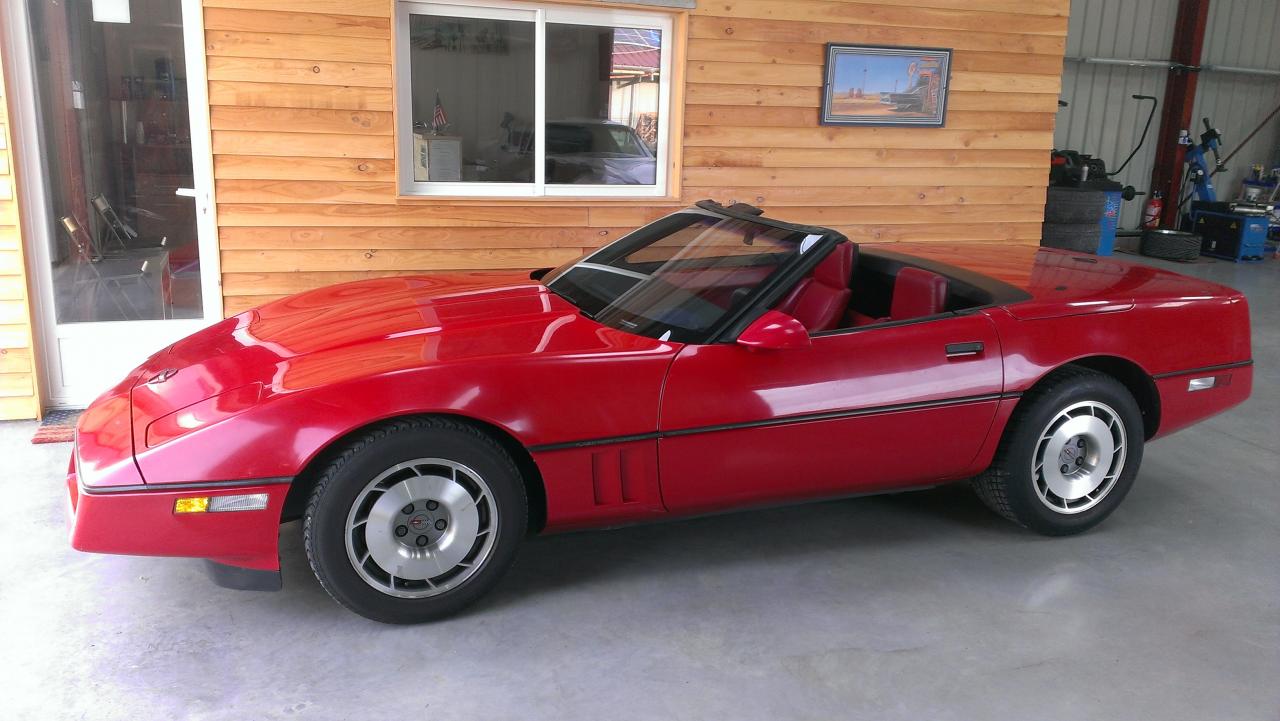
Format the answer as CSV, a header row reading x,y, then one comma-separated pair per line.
x,y
422,427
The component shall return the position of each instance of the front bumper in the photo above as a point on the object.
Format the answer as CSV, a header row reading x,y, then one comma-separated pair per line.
x,y
141,522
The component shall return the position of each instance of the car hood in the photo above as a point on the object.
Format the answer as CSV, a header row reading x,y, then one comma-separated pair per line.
x,y
354,330
387,308
1062,283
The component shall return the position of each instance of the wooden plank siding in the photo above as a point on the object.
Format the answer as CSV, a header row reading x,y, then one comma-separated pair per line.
x,y
302,116
19,389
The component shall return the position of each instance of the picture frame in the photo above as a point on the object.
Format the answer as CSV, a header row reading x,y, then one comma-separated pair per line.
x,y
881,85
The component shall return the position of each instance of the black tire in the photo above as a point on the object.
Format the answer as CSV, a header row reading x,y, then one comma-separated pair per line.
x,y
1170,244
1011,487
1074,205
346,477
1080,237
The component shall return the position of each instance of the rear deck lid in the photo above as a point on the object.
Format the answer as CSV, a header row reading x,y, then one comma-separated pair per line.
x,y
1062,283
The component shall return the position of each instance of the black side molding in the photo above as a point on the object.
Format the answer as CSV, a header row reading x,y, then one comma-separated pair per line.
x,y
1204,369
193,486
782,421
242,579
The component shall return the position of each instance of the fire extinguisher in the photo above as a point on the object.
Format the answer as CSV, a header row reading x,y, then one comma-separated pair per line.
x,y
1151,213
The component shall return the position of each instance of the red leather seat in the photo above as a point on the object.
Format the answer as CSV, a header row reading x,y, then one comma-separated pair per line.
x,y
917,293
819,301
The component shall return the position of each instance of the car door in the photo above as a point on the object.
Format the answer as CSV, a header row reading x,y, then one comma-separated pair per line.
x,y
863,409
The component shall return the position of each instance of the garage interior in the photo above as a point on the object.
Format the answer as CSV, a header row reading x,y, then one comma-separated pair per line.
x,y
906,606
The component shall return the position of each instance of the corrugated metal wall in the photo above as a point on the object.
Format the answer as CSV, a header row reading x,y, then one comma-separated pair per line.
x,y
1105,121
1241,33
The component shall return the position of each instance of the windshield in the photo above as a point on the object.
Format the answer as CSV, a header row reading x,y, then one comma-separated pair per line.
x,y
677,278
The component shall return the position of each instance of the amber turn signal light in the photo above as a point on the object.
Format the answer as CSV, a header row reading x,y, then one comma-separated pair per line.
x,y
219,504
191,505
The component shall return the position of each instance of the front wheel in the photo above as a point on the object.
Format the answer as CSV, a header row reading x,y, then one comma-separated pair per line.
x,y
415,520
1069,455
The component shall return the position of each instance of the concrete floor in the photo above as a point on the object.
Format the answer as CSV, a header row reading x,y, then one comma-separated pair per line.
x,y
918,606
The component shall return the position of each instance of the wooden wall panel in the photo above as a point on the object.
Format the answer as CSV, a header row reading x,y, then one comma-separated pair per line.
x,y
302,115
19,387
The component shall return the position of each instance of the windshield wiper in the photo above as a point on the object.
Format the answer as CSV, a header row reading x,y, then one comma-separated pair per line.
x,y
572,301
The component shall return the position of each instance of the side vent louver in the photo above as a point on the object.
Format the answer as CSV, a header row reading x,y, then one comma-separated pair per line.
x,y
616,476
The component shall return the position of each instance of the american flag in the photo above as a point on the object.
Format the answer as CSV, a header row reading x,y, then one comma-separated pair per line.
x,y
438,119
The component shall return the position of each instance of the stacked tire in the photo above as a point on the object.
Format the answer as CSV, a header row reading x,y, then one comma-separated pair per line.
x,y
1170,245
1072,219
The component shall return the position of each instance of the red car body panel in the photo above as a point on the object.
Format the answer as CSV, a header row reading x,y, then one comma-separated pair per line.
x,y
143,523
339,358
622,428
804,426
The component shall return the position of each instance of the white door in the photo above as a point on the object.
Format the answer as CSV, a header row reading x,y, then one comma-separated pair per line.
x,y
117,182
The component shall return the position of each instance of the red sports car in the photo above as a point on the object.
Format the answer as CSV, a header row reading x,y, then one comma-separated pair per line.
x,y
714,359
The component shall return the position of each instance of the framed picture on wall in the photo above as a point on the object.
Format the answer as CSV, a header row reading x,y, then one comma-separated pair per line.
x,y
880,85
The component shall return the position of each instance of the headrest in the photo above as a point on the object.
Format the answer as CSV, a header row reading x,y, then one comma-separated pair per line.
x,y
837,268
917,293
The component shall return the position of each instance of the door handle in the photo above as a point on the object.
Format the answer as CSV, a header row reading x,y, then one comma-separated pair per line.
x,y
964,350
202,199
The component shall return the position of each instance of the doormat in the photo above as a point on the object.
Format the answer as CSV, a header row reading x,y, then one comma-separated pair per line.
x,y
57,427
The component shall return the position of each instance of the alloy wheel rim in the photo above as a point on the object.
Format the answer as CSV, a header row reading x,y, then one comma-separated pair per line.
x,y
421,528
1079,457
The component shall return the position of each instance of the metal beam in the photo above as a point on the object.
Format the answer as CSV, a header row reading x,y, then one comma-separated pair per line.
x,y
1179,100
1125,62
1242,71
1171,65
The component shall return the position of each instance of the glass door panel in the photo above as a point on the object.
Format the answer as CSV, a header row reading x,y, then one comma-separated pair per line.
x,y
122,241
118,183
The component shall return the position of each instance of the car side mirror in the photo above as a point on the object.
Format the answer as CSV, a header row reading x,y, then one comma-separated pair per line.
x,y
775,330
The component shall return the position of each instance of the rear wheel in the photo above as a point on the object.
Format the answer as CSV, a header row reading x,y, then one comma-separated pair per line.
x,y
1069,454
415,520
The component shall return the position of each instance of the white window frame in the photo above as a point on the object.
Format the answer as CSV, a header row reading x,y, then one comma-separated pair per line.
x,y
539,15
